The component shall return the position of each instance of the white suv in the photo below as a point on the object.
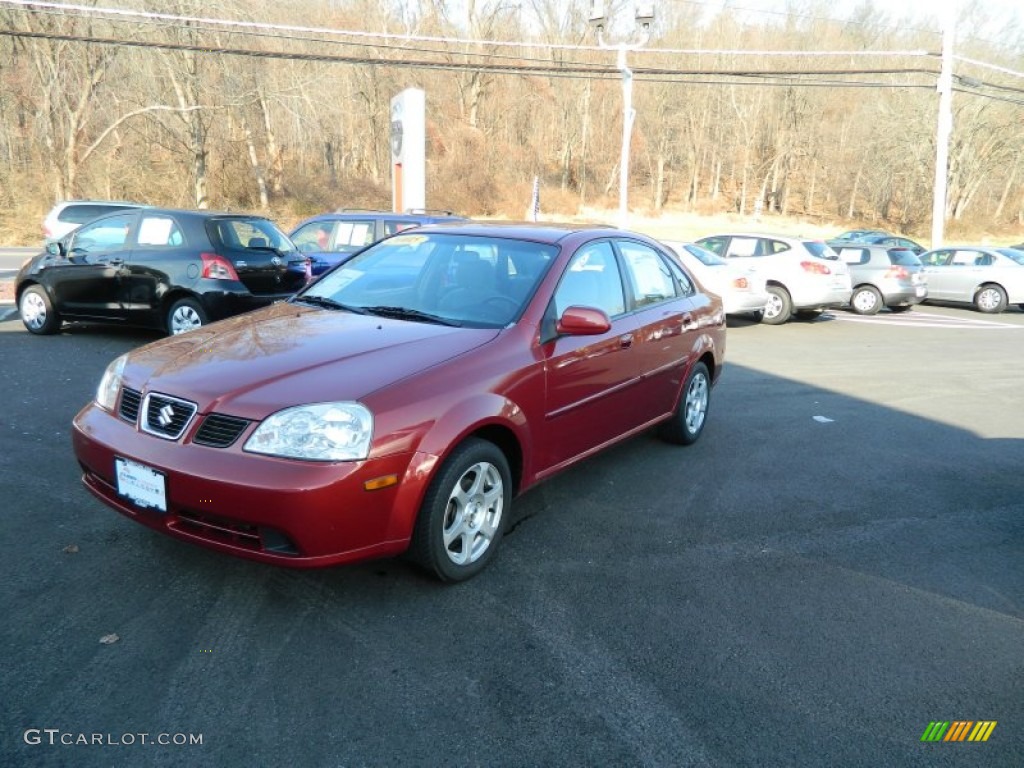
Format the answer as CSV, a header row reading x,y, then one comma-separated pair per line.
x,y
71,214
803,276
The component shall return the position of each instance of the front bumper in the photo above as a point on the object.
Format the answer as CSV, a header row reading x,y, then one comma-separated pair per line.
x,y
293,513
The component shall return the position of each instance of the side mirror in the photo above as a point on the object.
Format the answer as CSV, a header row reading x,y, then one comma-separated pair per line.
x,y
583,321
54,249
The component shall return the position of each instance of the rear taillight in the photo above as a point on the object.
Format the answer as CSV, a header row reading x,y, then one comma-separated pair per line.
x,y
741,283
899,273
815,268
217,267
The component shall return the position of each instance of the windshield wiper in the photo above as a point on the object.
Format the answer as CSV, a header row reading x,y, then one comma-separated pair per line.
x,y
327,303
404,313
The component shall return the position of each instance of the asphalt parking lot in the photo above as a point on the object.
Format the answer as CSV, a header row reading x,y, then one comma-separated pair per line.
x,y
834,566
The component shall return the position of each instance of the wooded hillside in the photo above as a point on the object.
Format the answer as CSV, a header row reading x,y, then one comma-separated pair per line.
x,y
181,110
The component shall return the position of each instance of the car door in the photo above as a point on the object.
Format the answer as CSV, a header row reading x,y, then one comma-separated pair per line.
x,y
666,335
937,271
591,381
157,262
87,283
961,276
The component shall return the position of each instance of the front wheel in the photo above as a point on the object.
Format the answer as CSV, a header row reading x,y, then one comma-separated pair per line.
x,y
463,515
990,299
185,315
37,312
687,423
779,306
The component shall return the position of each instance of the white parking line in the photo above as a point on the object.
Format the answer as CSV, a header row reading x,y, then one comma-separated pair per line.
x,y
923,320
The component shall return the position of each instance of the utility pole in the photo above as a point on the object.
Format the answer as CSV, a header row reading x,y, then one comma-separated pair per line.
x,y
644,18
945,127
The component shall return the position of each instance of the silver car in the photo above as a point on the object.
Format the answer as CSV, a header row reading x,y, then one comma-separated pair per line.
x,y
741,286
988,278
71,214
803,275
883,277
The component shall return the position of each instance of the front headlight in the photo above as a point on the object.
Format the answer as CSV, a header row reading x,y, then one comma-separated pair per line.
x,y
110,384
316,432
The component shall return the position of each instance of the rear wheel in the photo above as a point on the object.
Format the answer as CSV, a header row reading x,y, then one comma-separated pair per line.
x,y
185,315
990,299
866,300
779,306
463,515
37,312
687,423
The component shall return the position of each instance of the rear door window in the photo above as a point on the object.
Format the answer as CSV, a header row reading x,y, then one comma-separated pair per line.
x,y
159,231
854,255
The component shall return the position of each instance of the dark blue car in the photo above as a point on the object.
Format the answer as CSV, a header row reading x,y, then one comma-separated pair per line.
x,y
332,238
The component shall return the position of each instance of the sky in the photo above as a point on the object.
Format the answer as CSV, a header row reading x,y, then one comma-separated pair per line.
x,y
984,18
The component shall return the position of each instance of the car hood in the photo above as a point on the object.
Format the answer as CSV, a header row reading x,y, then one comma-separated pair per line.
x,y
254,364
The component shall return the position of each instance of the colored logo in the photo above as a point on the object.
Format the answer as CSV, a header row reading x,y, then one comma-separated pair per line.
x,y
959,730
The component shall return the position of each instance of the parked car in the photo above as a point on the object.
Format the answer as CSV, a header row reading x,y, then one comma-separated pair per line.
x,y
740,285
158,268
988,278
856,236
401,401
332,238
69,215
883,277
894,241
802,275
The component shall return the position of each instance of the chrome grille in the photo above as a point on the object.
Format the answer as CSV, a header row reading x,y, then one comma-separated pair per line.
x,y
166,416
131,399
219,430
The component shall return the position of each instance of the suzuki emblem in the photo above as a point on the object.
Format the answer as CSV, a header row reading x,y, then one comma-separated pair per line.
x,y
165,416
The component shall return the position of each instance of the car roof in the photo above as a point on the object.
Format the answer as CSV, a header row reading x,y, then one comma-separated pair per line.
x,y
790,238
547,232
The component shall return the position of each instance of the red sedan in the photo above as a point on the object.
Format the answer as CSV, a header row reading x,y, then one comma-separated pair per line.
x,y
401,401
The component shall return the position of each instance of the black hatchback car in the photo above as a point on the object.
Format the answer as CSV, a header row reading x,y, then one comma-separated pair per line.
x,y
166,269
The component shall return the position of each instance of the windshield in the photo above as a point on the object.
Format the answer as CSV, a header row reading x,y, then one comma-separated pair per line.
x,y
704,256
820,249
474,281
903,257
252,233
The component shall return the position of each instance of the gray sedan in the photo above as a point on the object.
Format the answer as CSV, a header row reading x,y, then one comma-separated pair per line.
x,y
988,278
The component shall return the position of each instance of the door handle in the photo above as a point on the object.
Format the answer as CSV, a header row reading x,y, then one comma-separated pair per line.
x,y
626,340
689,323
116,262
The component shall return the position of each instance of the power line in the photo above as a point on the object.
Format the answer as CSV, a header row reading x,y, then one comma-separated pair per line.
x,y
92,11
585,70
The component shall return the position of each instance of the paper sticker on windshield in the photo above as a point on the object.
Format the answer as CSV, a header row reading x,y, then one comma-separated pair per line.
x,y
411,240
344,276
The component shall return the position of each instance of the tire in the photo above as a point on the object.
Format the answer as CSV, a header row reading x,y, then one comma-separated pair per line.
x,y
447,541
901,308
185,315
866,300
687,423
779,307
990,299
37,312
